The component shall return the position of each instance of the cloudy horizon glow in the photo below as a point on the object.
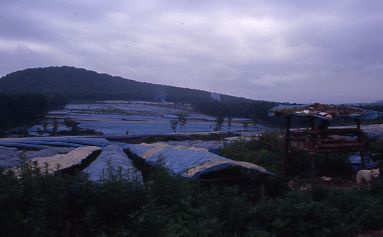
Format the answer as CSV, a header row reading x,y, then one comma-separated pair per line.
x,y
296,51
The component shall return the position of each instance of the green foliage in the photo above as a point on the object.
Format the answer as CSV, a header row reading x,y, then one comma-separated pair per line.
x,y
70,205
375,146
295,216
264,151
23,111
267,152
72,124
334,164
218,124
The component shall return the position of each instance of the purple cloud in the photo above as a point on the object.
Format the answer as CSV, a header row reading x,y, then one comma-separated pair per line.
x,y
298,51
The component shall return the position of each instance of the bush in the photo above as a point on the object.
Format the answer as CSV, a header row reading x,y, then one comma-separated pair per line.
x,y
264,151
70,205
298,215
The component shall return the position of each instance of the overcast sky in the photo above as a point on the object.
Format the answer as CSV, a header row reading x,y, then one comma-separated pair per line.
x,y
297,51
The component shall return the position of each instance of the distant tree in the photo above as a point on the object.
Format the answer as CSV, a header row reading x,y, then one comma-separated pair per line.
x,y
73,125
173,124
245,126
40,131
229,120
45,126
254,119
23,131
182,119
218,123
55,126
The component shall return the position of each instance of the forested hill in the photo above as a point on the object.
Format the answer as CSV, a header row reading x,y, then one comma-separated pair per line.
x,y
81,84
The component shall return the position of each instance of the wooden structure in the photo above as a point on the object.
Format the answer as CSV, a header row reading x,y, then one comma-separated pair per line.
x,y
321,139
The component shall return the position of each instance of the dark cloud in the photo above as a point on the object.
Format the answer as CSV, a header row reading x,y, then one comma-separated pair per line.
x,y
299,51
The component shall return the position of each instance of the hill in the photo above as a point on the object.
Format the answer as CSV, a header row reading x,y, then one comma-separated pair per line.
x,y
82,84
76,83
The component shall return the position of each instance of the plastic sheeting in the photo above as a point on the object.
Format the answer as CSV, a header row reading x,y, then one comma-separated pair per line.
x,y
191,163
23,145
62,161
9,157
113,162
46,142
356,161
51,151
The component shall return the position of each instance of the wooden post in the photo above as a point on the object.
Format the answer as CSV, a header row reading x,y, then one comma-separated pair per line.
x,y
287,146
262,187
362,158
312,157
312,124
314,140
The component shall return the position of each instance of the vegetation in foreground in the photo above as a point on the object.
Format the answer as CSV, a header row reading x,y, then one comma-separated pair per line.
x,y
65,205
70,205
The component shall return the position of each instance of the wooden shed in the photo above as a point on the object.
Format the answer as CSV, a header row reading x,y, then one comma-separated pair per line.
x,y
320,138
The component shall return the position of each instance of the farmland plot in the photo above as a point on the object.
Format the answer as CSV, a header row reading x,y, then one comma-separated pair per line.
x,y
135,117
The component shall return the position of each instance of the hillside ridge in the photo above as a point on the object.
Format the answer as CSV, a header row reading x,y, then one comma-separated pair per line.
x,y
81,84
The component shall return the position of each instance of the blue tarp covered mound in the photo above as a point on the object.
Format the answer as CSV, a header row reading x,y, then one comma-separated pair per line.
x,y
189,162
113,162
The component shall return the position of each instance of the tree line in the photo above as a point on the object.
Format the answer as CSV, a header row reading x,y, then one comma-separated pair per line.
x,y
22,111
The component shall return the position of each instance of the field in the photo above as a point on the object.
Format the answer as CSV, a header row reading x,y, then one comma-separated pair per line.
x,y
193,181
134,117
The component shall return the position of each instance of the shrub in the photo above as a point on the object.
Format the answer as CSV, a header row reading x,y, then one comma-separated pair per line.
x,y
71,205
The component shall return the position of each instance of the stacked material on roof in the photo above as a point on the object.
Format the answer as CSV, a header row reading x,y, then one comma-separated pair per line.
x,y
86,141
325,111
113,163
189,162
51,164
